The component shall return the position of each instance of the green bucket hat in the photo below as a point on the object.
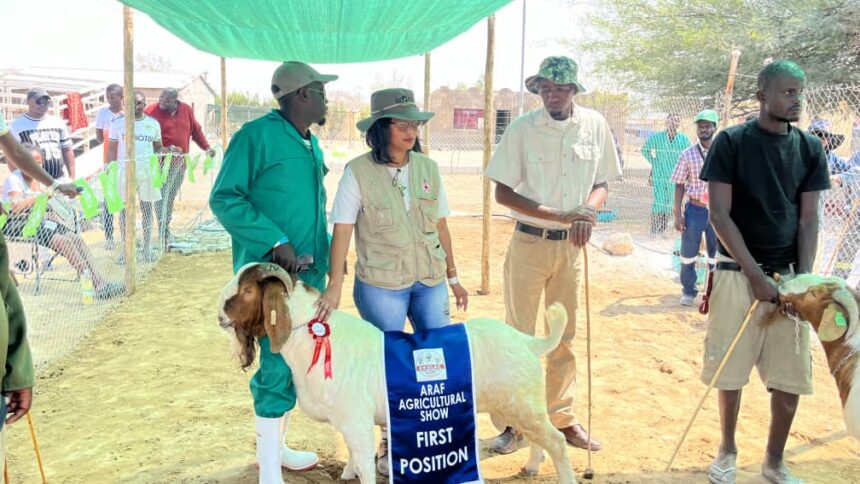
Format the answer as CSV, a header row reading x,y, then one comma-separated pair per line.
x,y
708,115
558,69
392,103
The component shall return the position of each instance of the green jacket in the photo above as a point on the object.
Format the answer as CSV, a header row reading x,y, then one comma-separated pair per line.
x,y
14,349
270,186
663,154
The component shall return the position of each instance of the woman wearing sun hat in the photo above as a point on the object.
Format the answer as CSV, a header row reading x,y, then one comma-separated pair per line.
x,y
393,197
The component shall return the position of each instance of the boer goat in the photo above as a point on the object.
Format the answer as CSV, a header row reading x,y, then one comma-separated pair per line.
x,y
262,299
831,308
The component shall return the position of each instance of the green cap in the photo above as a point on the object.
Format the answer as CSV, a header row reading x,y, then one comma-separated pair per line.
x,y
392,103
708,115
558,69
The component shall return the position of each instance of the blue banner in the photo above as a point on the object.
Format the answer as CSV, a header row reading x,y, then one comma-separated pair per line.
x,y
431,410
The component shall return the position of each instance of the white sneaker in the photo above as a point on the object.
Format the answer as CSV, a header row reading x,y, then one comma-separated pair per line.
x,y
688,300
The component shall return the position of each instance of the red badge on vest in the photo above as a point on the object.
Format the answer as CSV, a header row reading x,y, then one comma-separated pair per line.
x,y
425,186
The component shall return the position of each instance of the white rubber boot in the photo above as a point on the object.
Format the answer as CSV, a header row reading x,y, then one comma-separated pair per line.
x,y
268,446
295,460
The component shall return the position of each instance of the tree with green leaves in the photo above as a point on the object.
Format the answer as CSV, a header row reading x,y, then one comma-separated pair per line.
x,y
683,47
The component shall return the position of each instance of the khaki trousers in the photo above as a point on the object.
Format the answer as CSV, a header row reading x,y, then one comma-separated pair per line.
x,y
534,266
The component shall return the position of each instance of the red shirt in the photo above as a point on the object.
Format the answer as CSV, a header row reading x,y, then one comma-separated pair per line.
x,y
178,128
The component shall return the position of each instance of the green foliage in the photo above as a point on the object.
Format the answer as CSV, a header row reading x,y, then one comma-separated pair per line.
x,y
683,47
236,98
152,62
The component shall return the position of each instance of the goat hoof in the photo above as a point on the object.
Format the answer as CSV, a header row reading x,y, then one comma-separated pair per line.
x,y
529,472
348,474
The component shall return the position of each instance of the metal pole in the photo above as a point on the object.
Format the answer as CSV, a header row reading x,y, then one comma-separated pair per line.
x,y
129,155
523,62
489,137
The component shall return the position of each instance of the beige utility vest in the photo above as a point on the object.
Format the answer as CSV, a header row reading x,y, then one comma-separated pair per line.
x,y
397,248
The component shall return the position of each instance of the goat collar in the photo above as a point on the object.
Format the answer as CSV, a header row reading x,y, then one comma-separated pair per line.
x,y
843,361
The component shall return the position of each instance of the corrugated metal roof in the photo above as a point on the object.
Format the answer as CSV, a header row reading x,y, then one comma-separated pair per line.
x,y
63,79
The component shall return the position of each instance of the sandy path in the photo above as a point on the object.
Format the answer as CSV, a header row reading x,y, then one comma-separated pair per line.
x,y
152,395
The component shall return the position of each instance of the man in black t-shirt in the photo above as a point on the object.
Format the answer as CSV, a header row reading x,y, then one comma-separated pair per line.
x,y
764,180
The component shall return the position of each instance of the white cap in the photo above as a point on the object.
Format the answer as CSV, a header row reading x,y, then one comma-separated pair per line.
x,y
294,75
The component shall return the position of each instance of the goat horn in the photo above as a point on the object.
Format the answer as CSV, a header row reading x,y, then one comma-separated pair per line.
x,y
846,299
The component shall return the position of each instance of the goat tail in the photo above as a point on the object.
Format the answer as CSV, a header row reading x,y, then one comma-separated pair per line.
x,y
556,317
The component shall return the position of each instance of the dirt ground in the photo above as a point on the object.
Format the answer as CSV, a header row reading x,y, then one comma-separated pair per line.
x,y
153,396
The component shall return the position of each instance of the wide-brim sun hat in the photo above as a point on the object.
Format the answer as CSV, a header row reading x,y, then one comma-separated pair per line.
x,y
393,103
822,129
558,69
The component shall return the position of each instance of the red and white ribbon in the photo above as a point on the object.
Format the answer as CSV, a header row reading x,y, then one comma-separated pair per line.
x,y
321,331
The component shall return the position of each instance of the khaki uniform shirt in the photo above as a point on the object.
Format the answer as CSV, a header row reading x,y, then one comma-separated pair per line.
x,y
555,163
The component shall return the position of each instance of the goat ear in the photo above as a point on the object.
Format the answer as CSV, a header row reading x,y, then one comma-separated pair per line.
x,y
276,316
833,323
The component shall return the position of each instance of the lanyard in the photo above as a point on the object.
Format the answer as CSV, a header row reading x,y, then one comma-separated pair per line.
x,y
702,152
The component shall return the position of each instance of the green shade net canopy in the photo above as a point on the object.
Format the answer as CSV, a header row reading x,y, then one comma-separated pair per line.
x,y
318,31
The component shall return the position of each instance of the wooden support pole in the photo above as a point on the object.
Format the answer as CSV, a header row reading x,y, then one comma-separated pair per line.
x,y
489,137
426,141
730,86
223,103
129,155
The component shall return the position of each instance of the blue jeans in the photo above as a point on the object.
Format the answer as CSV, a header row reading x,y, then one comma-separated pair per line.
x,y
696,223
387,309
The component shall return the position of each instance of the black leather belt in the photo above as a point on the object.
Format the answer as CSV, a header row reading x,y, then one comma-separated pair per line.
x,y
768,270
542,233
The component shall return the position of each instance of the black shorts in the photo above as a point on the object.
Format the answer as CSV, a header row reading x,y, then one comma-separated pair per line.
x,y
44,234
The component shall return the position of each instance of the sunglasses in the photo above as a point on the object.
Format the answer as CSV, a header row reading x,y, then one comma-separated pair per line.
x,y
407,125
45,101
320,91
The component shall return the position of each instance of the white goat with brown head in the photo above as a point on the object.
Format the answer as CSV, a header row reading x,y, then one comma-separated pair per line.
x,y
508,376
831,308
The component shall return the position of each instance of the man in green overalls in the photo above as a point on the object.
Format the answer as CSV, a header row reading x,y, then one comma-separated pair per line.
x,y
662,151
269,196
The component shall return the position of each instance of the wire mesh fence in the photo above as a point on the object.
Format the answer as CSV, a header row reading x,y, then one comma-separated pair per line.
x,y
839,106
70,264
67,255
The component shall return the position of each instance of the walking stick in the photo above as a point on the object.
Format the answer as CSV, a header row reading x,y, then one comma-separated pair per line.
x,y
589,471
36,448
713,381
